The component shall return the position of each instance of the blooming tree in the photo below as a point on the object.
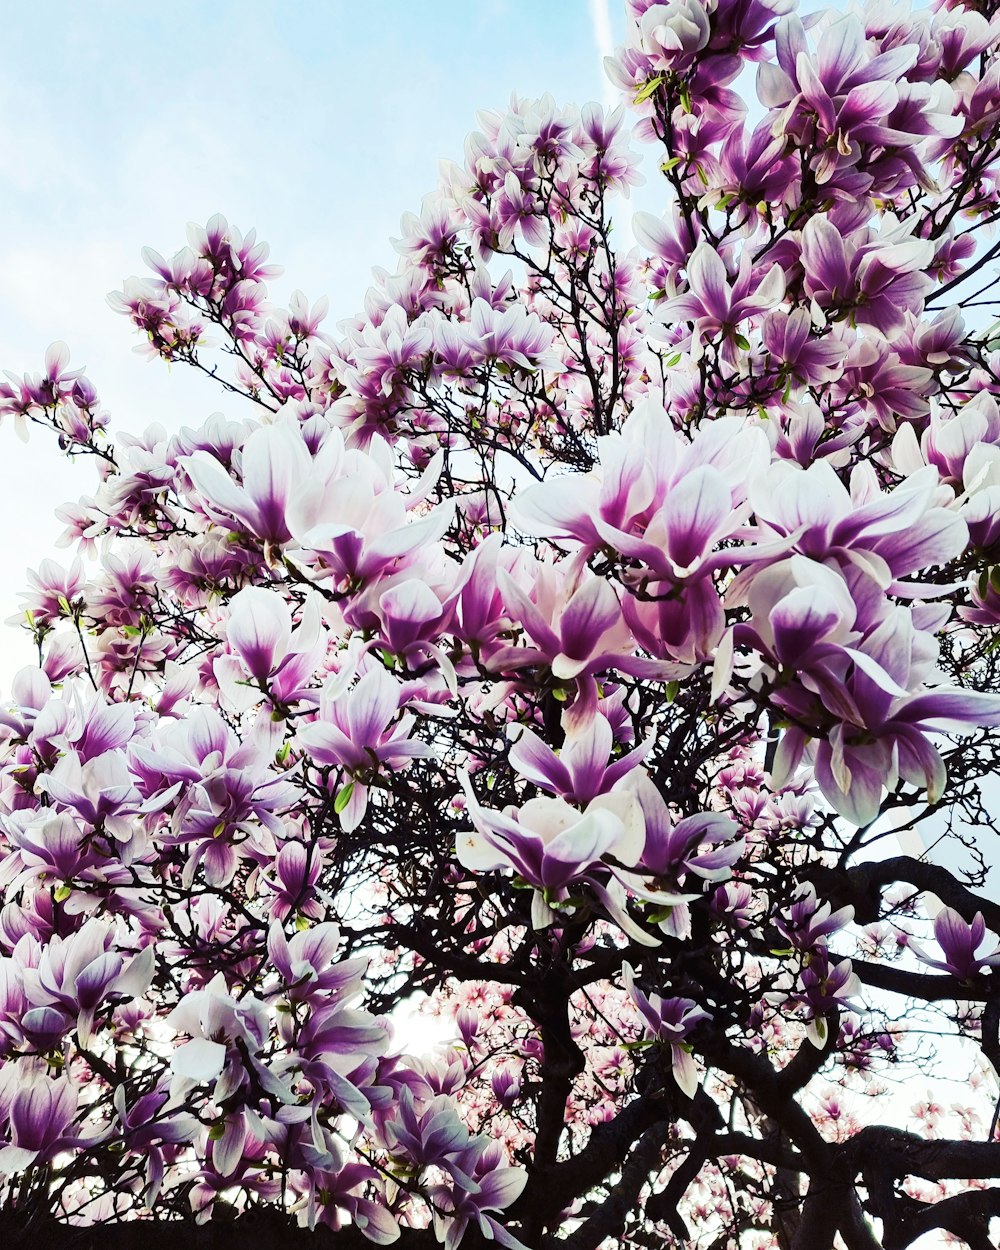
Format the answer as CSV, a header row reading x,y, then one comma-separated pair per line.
x,y
563,641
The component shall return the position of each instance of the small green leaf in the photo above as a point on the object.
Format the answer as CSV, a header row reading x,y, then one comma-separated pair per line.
x,y
648,88
343,797
61,893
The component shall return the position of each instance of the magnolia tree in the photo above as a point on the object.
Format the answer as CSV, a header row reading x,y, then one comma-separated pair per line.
x,y
562,644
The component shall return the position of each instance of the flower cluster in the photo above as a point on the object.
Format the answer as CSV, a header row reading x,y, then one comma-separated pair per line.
x,y
559,640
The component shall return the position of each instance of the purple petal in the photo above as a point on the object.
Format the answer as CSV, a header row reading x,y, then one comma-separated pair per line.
x,y
590,613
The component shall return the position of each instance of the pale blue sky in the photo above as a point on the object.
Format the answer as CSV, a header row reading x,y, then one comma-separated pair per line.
x,y
318,122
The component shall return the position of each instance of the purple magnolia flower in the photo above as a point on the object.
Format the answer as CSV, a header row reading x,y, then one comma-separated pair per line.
x,y
99,790
52,846
337,1052
495,1186
705,845
844,99
76,974
342,1192
801,356
427,1133
297,869
576,625
150,1128
551,844
353,524
732,903
56,590
666,505
505,1083
717,308
308,965
671,34
864,693
511,336
214,1021
669,1020
809,923
824,988
260,632
355,732
893,533
547,841
479,614
274,463
876,283
641,484
581,771
222,795
40,1113
412,617
960,942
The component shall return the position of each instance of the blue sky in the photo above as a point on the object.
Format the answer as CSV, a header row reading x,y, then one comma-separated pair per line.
x,y
318,122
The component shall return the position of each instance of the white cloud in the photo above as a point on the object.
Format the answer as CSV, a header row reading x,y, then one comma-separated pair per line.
x,y
600,19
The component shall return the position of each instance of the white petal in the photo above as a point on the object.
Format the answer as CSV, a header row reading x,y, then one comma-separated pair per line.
x,y
198,1060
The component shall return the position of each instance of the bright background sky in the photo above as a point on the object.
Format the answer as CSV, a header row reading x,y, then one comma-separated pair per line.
x,y
319,123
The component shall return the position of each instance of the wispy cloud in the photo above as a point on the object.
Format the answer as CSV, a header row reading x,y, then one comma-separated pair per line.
x,y
600,20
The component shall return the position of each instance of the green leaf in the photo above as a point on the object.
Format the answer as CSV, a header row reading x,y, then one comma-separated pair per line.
x,y
62,892
648,88
343,797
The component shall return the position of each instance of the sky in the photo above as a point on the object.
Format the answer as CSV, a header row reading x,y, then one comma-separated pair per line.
x,y
319,123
